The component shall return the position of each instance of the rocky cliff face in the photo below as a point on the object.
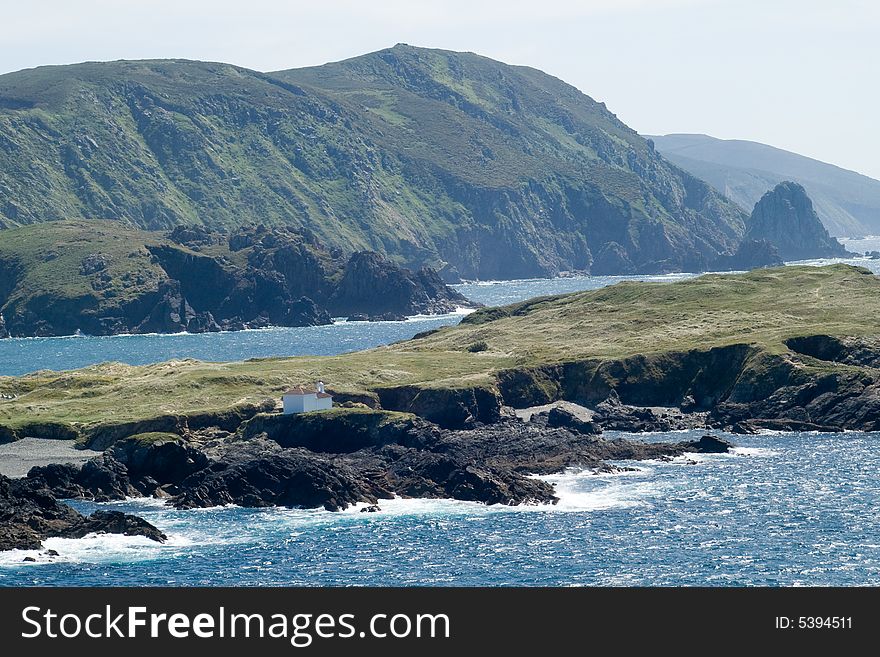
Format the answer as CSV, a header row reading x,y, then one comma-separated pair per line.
x,y
29,513
373,285
751,254
785,218
91,277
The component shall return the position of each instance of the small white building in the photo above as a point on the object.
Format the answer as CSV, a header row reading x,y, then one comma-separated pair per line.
x,y
300,400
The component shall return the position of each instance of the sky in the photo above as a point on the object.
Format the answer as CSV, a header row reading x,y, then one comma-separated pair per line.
x,y
799,75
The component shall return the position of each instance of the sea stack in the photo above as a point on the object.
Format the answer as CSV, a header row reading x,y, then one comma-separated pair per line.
x,y
786,219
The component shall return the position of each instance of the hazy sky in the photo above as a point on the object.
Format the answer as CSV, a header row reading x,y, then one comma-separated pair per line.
x,y
801,75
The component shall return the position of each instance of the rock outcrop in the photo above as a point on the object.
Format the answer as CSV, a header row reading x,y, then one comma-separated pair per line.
x,y
751,254
785,218
373,285
335,460
30,513
196,280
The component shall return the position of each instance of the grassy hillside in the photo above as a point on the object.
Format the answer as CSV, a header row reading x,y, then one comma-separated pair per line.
x,y
763,308
429,156
847,202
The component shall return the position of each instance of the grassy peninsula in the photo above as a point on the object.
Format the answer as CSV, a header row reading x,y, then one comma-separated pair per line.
x,y
763,311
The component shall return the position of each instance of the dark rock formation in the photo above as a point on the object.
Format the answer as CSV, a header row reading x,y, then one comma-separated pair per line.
x,y
3,332
295,478
613,415
340,459
29,513
193,237
196,280
738,387
612,259
751,254
785,217
451,408
849,351
140,465
560,417
710,444
113,522
374,286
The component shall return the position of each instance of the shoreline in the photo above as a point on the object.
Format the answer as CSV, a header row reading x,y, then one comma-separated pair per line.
x,y
18,457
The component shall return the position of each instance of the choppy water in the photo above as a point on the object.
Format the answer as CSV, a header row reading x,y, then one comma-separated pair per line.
x,y
793,509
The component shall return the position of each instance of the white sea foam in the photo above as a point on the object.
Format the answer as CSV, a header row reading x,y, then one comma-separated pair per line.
x,y
578,491
584,490
94,548
755,451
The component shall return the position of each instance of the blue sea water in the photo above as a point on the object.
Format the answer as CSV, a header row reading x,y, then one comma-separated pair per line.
x,y
783,509
22,355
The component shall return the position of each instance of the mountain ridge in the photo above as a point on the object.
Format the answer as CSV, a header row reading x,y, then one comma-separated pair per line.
x,y
848,202
430,157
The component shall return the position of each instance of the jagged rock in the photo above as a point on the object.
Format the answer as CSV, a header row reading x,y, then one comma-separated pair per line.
x,y
154,460
30,513
449,274
785,217
3,332
751,254
171,314
202,323
93,263
560,417
611,414
612,259
135,466
303,312
192,236
451,408
295,478
374,286
709,444
113,522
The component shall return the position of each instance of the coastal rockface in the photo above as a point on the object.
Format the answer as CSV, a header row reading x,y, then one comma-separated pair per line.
x,y
101,279
785,218
340,458
30,513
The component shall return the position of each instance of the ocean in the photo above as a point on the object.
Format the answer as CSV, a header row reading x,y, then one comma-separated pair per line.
x,y
782,509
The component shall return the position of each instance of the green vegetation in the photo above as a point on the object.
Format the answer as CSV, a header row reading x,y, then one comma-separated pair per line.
x,y
427,156
47,262
478,346
762,308
152,438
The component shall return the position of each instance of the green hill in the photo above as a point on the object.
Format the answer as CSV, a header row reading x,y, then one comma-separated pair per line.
x,y
847,202
775,338
428,156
